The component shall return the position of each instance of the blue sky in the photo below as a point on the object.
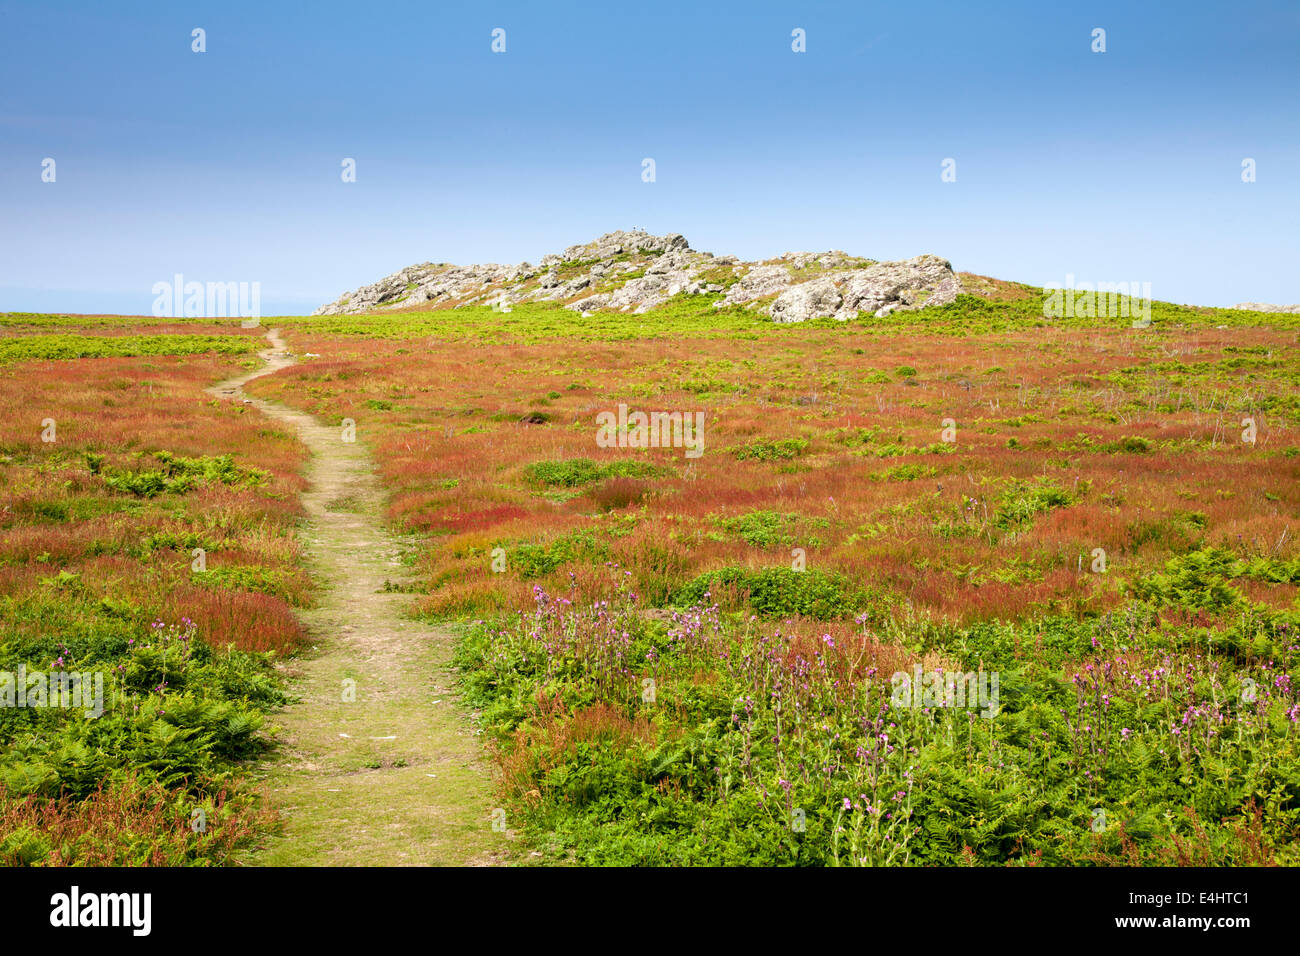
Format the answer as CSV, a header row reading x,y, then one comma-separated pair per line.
x,y
225,165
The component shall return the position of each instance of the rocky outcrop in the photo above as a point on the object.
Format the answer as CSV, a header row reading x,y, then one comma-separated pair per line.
x,y
1265,307
426,284
808,300
758,282
620,270
878,289
636,272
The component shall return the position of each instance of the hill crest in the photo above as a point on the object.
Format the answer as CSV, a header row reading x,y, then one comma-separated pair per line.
x,y
636,271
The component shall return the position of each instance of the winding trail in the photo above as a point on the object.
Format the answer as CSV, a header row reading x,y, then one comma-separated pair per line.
x,y
394,777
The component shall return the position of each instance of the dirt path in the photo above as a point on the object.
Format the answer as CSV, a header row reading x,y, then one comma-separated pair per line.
x,y
395,776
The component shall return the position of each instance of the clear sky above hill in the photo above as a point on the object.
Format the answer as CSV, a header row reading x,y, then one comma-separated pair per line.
x,y
226,165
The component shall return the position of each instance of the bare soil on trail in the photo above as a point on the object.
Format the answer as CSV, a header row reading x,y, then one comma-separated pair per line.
x,y
395,776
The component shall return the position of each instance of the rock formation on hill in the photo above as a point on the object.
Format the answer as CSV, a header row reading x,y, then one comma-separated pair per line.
x,y
636,272
1266,307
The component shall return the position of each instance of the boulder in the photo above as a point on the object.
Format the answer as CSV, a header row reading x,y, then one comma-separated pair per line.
x,y
909,284
817,299
879,289
758,282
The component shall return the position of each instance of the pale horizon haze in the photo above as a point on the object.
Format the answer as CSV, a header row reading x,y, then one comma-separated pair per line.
x,y
225,165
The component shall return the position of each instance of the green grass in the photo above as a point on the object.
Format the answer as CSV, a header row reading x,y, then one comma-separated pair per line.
x,y
777,592
768,529
575,472
695,316
534,560
1021,503
177,475
541,321
770,450
47,320
67,346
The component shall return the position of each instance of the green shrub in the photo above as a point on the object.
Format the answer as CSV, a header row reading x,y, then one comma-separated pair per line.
x,y
770,450
908,472
69,346
777,591
574,472
1021,502
1131,444
537,560
762,529
1199,580
179,475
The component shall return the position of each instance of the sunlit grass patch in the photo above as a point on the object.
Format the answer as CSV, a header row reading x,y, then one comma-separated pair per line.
x,y
67,346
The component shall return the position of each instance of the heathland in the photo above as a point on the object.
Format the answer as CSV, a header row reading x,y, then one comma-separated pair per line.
x,y
674,659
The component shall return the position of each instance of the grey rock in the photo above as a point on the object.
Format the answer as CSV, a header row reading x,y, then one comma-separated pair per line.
x,y
817,299
1266,307
908,284
591,303
800,285
879,289
758,282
